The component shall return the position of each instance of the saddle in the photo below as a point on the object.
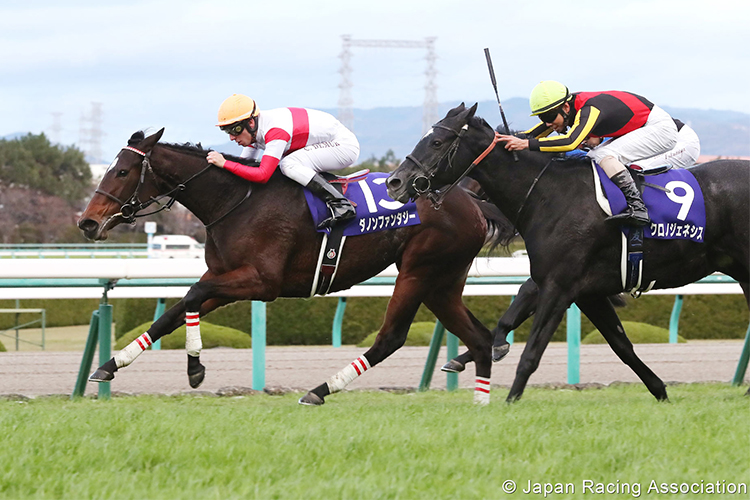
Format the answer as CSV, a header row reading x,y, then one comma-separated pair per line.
x,y
676,208
376,211
333,240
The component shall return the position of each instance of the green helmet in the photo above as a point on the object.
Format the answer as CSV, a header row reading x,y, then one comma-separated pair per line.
x,y
548,95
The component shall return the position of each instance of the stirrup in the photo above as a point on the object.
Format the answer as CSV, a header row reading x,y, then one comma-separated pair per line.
x,y
333,220
629,218
341,211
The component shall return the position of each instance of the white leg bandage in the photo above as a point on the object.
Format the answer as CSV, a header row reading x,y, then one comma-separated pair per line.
x,y
193,343
482,391
345,376
132,350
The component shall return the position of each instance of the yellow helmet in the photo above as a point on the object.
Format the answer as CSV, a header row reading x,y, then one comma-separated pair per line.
x,y
548,95
235,108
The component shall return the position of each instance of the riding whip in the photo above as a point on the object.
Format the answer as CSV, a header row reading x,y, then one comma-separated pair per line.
x,y
494,85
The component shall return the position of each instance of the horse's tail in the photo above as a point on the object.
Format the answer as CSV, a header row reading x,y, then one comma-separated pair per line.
x,y
500,230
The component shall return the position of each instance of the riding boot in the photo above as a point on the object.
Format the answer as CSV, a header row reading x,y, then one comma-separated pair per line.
x,y
341,209
636,214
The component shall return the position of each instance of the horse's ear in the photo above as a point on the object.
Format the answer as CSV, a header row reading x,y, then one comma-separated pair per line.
x,y
455,111
468,114
136,138
151,140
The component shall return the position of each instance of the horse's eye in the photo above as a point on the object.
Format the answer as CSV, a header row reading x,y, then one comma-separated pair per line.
x,y
437,143
122,173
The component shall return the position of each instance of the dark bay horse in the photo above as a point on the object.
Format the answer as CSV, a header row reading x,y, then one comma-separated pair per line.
x,y
264,246
575,256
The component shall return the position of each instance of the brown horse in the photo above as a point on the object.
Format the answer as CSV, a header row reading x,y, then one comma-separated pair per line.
x,y
264,245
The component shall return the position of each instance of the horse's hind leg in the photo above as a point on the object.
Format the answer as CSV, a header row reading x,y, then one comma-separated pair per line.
x,y
448,307
519,311
407,296
746,291
601,313
552,303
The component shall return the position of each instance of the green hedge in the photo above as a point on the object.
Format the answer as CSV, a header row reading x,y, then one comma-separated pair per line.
x,y
129,313
420,334
2,348
59,312
638,333
309,321
211,336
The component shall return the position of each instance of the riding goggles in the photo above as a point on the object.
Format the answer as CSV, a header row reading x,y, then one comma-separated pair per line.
x,y
234,129
549,116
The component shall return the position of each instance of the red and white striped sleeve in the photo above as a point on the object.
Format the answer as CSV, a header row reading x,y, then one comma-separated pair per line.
x,y
277,140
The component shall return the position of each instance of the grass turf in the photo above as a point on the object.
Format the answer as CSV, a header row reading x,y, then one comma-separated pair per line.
x,y
373,445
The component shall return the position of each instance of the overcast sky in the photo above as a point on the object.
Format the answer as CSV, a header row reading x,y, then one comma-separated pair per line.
x,y
171,63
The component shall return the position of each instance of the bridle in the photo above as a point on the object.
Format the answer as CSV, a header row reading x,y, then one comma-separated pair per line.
x,y
422,183
129,208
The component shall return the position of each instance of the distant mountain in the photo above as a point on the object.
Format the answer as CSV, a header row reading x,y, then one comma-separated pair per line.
x,y
725,133
14,136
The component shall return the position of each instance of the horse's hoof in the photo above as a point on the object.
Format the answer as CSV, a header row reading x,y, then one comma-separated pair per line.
x,y
196,378
453,366
499,352
311,399
101,375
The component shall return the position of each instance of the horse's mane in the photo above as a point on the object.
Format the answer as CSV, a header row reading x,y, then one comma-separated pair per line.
x,y
189,148
558,157
198,151
500,129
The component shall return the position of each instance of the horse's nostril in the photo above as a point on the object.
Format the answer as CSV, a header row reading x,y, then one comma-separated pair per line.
x,y
393,182
88,225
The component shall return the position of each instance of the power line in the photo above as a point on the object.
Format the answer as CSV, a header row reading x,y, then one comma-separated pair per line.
x,y
55,128
91,133
346,102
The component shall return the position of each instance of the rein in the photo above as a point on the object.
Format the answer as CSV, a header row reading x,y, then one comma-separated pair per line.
x,y
528,193
129,208
421,184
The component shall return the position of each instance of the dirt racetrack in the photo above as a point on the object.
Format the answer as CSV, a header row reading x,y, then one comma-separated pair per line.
x,y
302,368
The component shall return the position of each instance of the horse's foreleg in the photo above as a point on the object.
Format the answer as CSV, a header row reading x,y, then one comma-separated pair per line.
x,y
204,296
551,306
173,318
448,307
194,344
601,313
519,311
403,306
167,323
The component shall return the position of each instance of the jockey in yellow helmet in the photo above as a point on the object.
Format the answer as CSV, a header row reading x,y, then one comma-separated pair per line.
x,y
643,130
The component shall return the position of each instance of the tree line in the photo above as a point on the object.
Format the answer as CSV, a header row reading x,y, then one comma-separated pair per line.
x,y
33,162
42,189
